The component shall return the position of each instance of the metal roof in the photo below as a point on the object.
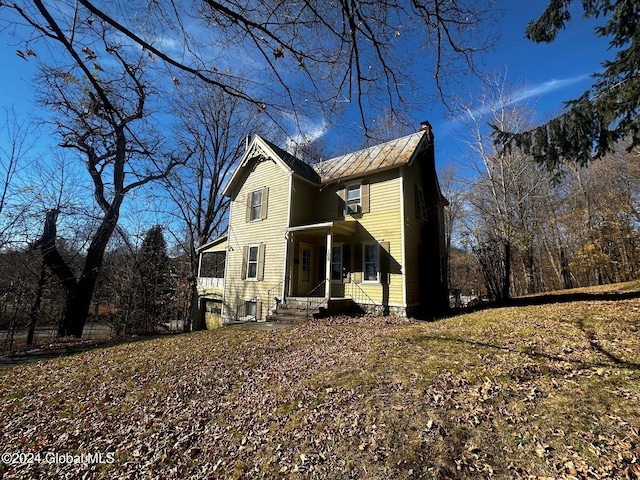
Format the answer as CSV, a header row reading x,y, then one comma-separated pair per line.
x,y
379,157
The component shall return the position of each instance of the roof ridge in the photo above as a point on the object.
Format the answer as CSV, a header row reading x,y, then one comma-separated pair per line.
x,y
354,152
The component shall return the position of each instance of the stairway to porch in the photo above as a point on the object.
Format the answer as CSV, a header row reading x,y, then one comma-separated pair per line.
x,y
298,309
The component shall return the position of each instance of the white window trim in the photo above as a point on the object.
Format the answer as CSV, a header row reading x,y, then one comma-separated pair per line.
x,y
364,263
257,261
346,197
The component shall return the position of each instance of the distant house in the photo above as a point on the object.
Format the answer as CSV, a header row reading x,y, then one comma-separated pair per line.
x,y
362,231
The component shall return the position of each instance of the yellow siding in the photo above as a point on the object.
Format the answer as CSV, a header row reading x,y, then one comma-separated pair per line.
x,y
381,224
267,231
303,208
412,228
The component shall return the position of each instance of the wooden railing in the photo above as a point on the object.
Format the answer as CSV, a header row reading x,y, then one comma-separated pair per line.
x,y
210,282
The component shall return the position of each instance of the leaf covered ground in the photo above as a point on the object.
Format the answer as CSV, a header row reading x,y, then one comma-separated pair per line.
x,y
546,391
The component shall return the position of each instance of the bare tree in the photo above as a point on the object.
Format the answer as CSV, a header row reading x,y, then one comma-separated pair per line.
x,y
454,191
507,191
100,97
14,157
216,126
300,58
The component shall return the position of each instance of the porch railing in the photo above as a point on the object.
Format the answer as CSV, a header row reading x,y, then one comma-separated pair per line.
x,y
358,295
316,297
273,292
211,282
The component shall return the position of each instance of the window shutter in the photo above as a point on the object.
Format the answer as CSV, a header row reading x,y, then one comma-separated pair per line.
x,y
341,203
357,263
260,275
248,215
364,197
385,263
416,202
265,202
245,258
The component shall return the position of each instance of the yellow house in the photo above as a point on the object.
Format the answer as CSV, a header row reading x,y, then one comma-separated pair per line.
x,y
360,232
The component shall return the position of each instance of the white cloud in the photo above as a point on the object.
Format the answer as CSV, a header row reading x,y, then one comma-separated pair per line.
x,y
546,87
307,131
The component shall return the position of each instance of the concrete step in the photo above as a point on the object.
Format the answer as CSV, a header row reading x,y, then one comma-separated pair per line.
x,y
296,310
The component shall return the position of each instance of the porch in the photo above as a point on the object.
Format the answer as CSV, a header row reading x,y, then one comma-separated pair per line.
x,y
324,272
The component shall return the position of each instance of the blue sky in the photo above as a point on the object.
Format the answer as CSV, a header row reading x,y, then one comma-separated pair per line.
x,y
546,74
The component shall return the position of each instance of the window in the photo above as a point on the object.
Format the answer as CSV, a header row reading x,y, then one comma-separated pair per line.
x,y
354,198
252,262
257,204
250,308
306,264
336,263
371,262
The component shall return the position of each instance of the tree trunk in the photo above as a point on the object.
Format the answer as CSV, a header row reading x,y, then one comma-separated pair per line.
x,y
194,320
77,306
507,271
78,293
35,308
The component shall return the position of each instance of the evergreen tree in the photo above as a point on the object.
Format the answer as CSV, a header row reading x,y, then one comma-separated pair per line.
x,y
606,113
154,285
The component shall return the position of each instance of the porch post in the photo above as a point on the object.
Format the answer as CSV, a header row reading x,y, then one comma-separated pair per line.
x,y
286,284
327,284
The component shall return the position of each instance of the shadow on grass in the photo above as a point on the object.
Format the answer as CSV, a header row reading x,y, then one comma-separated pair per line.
x,y
536,354
595,345
61,348
551,299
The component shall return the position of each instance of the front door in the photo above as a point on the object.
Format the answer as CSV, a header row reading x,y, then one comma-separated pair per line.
x,y
305,269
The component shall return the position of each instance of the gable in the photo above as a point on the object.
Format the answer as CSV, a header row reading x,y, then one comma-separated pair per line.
x,y
259,151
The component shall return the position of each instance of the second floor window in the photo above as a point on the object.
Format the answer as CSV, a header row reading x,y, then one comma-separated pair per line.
x,y
256,205
354,198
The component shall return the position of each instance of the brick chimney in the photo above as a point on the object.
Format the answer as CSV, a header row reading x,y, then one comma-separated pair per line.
x,y
425,125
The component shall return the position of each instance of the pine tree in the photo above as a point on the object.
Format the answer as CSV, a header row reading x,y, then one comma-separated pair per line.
x,y
606,113
154,281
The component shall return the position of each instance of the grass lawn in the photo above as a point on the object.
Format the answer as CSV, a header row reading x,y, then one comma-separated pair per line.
x,y
545,391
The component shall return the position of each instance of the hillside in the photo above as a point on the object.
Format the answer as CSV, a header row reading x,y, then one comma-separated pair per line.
x,y
550,390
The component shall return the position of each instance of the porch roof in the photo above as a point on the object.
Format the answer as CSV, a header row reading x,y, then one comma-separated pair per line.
x,y
342,227
217,245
